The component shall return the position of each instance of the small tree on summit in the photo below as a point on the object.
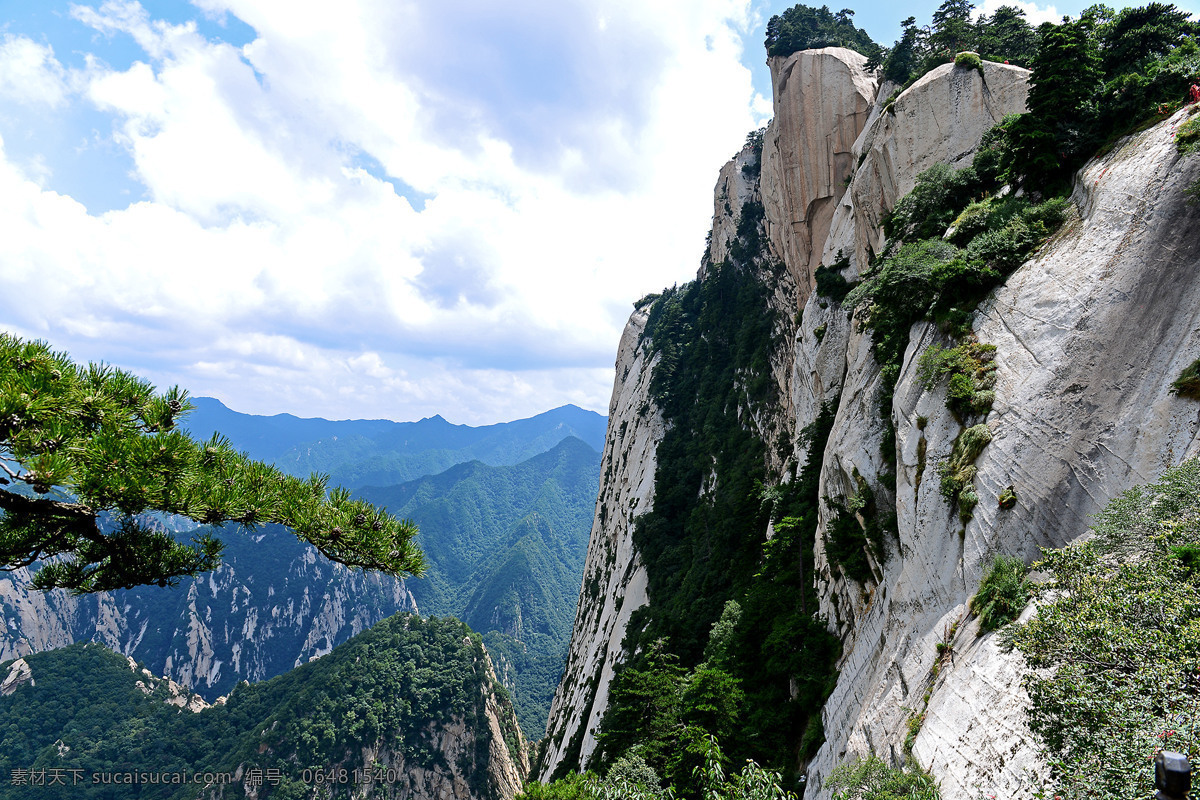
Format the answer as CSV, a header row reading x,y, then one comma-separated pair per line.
x,y
85,451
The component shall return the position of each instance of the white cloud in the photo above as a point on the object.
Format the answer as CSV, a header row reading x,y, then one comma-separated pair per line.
x,y
567,166
30,74
1035,15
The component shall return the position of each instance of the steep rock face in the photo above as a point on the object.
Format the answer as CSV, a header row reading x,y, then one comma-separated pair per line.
x,y
614,581
737,184
224,628
822,99
1090,333
18,675
938,120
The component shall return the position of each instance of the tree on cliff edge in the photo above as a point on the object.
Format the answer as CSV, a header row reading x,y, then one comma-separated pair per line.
x,y
85,450
804,27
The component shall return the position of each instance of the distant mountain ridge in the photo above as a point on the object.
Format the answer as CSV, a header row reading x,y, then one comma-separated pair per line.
x,y
381,452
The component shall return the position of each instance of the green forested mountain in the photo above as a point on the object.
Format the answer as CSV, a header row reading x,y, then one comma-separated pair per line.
x,y
506,547
404,694
381,452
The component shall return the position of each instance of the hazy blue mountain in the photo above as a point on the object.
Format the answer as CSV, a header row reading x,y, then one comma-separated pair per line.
x,y
381,452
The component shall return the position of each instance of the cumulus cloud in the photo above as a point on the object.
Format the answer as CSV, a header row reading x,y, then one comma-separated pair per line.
x,y
1034,14
30,74
391,209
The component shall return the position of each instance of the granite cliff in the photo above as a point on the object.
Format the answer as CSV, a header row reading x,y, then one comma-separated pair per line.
x,y
1089,333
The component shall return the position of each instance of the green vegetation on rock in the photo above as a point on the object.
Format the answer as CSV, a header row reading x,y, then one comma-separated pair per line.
x,y
1115,645
704,543
971,372
871,779
1003,593
1188,382
630,778
397,687
958,471
804,27
1097,78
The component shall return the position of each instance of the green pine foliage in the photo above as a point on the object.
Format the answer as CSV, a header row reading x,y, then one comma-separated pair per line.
x,y
396,685
629,779
1097,78
1114,649
714,338
78,443
1005,36
804,27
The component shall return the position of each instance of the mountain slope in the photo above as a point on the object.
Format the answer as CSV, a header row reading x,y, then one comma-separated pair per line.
x,y
275,603
413,705
506,547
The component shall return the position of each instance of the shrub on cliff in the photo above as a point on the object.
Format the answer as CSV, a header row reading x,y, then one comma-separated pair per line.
x,y
871,779
1002,594
1115,645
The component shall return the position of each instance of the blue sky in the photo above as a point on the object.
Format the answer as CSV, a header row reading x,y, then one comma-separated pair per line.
x,y
375,208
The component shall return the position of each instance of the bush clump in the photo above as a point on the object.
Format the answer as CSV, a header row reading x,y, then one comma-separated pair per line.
x,y
850,545
958,471
871,779
830,282
969,60
1003,593
1188,382
1187,137
971,369
1114,649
